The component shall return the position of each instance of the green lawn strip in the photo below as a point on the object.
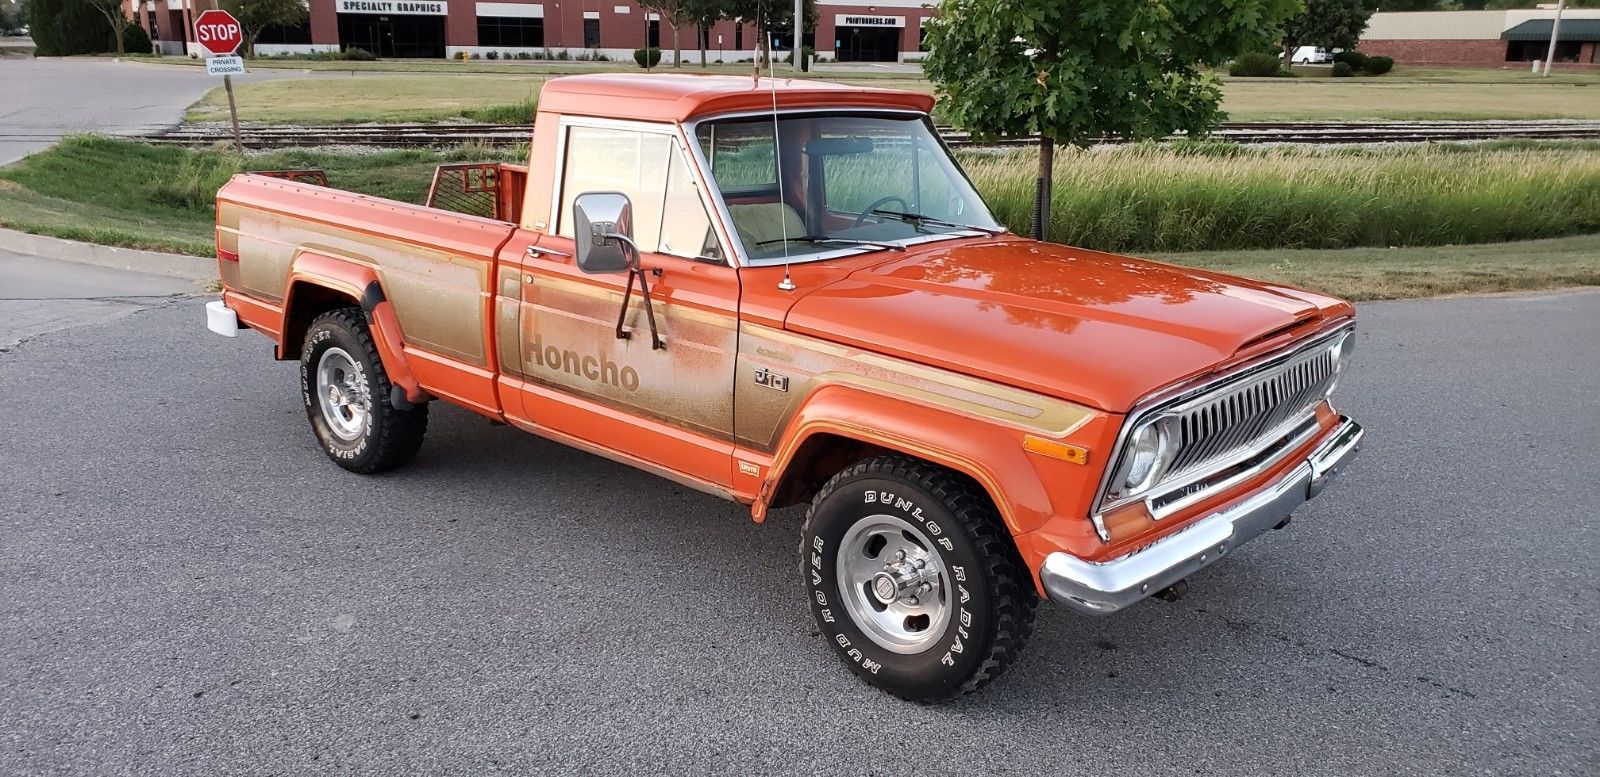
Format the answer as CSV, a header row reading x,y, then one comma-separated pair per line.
x,y
160,197
1427,271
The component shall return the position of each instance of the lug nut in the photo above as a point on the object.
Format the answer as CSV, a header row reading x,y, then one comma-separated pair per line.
x,y
921,563
913,601
899,555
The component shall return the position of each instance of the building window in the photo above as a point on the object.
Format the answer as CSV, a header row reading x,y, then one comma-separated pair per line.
x,y
591,33
653,37
1530,50
510,31
922,36
738,36
293,34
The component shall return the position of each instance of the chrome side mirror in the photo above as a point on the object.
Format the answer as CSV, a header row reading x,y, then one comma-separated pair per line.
x,y
602,230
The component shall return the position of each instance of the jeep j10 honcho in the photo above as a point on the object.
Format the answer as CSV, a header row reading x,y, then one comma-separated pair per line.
x,y
788,292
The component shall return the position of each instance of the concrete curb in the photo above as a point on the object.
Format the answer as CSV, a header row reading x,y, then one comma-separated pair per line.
x,y
192,268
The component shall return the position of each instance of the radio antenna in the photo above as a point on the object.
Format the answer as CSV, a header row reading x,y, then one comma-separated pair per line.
x,y
787,284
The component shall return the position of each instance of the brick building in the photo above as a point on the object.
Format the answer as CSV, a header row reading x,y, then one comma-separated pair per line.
x,y
884,31
1484,38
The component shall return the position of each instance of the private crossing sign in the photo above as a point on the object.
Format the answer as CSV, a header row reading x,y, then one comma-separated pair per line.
x,y
221,35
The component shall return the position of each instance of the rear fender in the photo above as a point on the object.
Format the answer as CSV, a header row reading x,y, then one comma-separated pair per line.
x,y
360,284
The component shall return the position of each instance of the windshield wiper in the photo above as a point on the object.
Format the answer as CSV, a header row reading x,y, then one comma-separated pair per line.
x,y
917,220
826,239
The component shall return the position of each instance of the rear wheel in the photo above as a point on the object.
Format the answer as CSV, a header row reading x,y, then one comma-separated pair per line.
x,y
346,394
912,579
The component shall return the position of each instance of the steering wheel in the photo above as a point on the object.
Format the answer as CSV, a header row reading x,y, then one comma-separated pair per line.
x,y
905,207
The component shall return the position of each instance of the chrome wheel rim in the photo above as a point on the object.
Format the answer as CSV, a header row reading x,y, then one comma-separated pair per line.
x,y
894,583
343,394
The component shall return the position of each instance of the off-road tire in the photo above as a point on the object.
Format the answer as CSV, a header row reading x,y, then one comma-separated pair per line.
x,y
390,436
983,634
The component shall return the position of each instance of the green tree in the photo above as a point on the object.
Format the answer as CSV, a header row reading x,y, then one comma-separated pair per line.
x,y
704,14
62,28
256,15
676,13
7,24
1334,24
771,18
111,11
1073,71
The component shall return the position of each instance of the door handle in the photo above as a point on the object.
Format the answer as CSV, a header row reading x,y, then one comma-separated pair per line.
x,y
536,251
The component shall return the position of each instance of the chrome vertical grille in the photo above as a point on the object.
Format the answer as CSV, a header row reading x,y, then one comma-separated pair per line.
x,y
1215,427
1217,433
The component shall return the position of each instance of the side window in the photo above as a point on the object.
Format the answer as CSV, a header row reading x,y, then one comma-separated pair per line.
x,y
618,160
685,228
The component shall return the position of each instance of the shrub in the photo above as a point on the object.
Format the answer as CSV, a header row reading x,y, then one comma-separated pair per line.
x,y
358,54
647,58
1342,70
1254,65
1355,59
492,55
1379,65
524,55
135,40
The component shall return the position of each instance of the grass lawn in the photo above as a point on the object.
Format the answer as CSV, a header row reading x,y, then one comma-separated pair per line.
x,y
429,90
160,197
1332,99
397,98
1404,273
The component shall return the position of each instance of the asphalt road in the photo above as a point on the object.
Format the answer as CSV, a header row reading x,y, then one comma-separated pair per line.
x,y
188,586
44,99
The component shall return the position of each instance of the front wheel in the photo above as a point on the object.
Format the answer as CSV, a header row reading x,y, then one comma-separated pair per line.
x,y
912,579
346,393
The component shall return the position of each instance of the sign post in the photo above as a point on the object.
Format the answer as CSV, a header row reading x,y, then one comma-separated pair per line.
x,y
221,35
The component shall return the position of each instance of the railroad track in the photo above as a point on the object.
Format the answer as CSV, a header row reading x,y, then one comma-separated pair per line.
x,y
1311,133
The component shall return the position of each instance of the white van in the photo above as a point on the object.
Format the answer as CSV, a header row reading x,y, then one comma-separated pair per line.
x,y
1312,55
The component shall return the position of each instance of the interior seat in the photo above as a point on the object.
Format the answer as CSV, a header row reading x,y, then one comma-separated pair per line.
x,y
760,222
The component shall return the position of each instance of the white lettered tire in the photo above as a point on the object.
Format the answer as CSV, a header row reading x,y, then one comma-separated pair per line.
x,y
913,580
346,393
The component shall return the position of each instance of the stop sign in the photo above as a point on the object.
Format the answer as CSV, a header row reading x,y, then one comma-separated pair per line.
x,y
218,32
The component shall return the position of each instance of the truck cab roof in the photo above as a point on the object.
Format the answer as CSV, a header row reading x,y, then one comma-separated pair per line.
x,y
673,97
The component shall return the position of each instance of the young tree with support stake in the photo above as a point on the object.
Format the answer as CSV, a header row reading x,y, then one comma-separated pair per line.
x,y
675,13
1074,71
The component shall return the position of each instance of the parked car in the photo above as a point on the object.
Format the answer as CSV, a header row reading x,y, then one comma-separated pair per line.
x,y
789,294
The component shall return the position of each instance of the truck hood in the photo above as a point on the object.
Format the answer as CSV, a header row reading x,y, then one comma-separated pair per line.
x,y
1090,327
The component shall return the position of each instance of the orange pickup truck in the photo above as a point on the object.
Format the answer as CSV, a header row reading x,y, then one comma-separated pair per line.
x,y
789,292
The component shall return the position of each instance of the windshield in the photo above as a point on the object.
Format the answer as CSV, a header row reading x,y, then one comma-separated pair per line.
x,y
848,180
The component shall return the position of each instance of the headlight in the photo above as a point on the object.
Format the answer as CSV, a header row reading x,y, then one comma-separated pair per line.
x,y
1340,351
1144,457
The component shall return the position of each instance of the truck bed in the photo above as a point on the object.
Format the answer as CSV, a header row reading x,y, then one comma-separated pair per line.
x,y
436,267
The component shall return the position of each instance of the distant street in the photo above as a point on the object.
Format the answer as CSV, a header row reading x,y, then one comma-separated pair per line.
x,y
188,586
44,99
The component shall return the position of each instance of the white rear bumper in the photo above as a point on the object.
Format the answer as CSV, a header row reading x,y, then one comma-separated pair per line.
x,y
221,319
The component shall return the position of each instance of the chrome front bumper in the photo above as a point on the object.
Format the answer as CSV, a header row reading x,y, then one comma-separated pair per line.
x,y
1104,588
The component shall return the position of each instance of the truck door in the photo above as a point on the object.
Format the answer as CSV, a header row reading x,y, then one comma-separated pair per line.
x,y
670,407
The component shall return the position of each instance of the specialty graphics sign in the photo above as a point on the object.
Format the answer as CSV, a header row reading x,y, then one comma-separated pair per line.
x,y
396,7
856,20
